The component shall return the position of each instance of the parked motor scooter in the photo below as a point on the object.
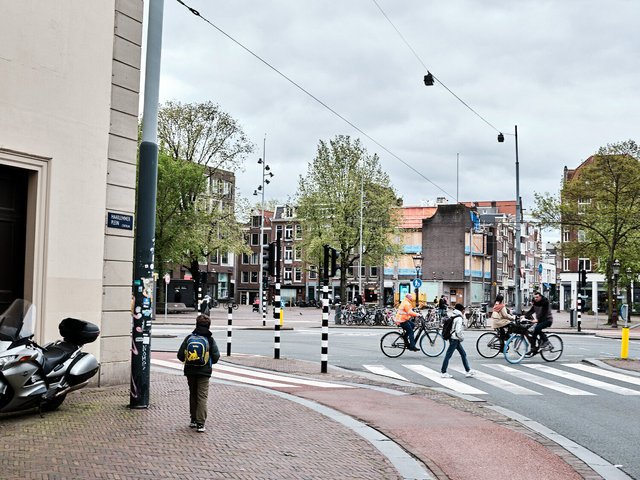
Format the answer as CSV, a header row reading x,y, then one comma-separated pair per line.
x,y
32,376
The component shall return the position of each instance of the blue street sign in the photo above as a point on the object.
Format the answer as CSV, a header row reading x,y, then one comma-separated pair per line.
x,y
281,303
540,269
417,283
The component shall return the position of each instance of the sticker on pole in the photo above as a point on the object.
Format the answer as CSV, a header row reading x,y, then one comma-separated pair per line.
x,y
281,303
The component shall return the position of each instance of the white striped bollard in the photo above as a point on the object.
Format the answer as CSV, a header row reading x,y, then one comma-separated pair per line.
x,y
229,329
324,350
276,320
264,308
579,309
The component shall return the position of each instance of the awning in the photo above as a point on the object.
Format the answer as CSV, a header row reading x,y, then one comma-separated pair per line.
x,y
547,285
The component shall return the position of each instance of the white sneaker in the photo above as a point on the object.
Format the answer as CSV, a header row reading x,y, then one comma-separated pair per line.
x,y
446,375
470,373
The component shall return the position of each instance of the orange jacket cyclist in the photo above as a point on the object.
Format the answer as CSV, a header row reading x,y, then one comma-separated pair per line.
x,y
403,318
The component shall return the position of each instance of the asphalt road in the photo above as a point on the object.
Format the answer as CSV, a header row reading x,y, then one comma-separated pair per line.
x,y
598,412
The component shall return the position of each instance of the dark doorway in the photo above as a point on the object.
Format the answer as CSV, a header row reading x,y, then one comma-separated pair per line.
x,y
13,224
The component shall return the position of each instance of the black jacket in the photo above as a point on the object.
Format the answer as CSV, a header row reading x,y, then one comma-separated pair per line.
x,y
542,309
214,353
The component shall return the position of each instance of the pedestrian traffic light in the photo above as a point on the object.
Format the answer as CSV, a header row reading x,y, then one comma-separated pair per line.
x,y
269,259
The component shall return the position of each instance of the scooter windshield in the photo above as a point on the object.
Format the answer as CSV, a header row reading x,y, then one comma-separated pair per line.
x,y
17,321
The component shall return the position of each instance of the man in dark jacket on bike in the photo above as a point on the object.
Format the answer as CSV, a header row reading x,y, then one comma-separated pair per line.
x,y
543,319
198,376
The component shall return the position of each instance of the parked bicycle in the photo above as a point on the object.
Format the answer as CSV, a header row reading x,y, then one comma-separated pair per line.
x,y
517,346
231,304
426,334
476,318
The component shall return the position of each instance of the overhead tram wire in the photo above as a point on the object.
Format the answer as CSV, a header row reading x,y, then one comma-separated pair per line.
x,y
355,127
425,67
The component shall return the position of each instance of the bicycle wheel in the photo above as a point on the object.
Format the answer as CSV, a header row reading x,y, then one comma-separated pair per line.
x,y
431,343
392,344
488,345
553,352
515,349
235,306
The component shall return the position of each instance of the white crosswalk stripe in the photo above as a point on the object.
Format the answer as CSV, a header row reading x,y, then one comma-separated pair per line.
x,y
500,383
450,383
586,380
382,370
254,377
544,382
605,373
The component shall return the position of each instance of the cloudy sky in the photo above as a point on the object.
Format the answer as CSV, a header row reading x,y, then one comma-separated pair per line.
x,y
565,72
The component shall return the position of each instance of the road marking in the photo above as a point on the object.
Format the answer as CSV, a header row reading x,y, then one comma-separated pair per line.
x,y
253,377
605,373
539,380
450,383
500,383
382,370
586,380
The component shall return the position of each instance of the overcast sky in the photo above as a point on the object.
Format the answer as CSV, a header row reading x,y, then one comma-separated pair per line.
x,y
565,72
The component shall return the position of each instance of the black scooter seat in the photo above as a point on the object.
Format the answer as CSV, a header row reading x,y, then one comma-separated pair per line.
x,y
57,353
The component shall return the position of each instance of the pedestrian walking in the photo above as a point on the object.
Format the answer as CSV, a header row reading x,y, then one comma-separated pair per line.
x,y
442,306
199,352
205,305
455,343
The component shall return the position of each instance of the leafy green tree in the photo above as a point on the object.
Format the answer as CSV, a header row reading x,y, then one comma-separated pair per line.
x,y
602,203
198,142
328,205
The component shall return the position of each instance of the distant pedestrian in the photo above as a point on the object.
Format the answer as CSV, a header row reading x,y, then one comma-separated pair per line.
x,y
455,343
442,306
436,301
205,305
199,352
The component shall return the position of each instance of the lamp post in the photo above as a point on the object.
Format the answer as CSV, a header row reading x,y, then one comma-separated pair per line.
x,y
614,313
518,219
417,262
265,173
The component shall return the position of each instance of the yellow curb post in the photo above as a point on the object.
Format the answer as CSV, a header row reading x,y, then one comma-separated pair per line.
x,y
624,352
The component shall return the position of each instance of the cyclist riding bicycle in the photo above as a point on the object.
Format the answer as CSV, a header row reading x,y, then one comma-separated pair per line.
x,y
403,319
543,319
500,319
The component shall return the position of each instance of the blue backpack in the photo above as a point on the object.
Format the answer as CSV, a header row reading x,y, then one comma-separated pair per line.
x,y
197,351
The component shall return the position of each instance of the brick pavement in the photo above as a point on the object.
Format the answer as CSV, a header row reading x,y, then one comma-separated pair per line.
x,y
250,435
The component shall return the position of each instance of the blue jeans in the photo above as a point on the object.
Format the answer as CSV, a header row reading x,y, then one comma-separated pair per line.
x,y
408,326
455,345
537,331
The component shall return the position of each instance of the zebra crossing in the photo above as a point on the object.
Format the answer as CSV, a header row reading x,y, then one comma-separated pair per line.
x,y
531,379
253,377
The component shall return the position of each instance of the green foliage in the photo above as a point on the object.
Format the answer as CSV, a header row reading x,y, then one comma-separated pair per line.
x,y
329,205
197,142
602,202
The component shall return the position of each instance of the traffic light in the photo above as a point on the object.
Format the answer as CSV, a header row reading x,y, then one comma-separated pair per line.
x,y
269,259
331,260
583,279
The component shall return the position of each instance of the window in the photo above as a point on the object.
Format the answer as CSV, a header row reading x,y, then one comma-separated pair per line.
x,y
363,271
581,236
313,272
245,259
565,264
224,258
254,259
245,277
213,258
287,274
254,277
297,275
499,256
583,204
298,232
288,254
350,271
255,221
288,232
265,239
278,231
374,271
297,253
499,274
584,263
566,235
255,239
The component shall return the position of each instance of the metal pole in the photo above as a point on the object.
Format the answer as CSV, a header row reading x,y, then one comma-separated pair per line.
x,y
457,175
360,259
518,222
260,293
229,328
324,344
276,311
146,217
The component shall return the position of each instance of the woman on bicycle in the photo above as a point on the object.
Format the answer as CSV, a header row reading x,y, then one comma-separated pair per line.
x,y
501,318
403,318
543,319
